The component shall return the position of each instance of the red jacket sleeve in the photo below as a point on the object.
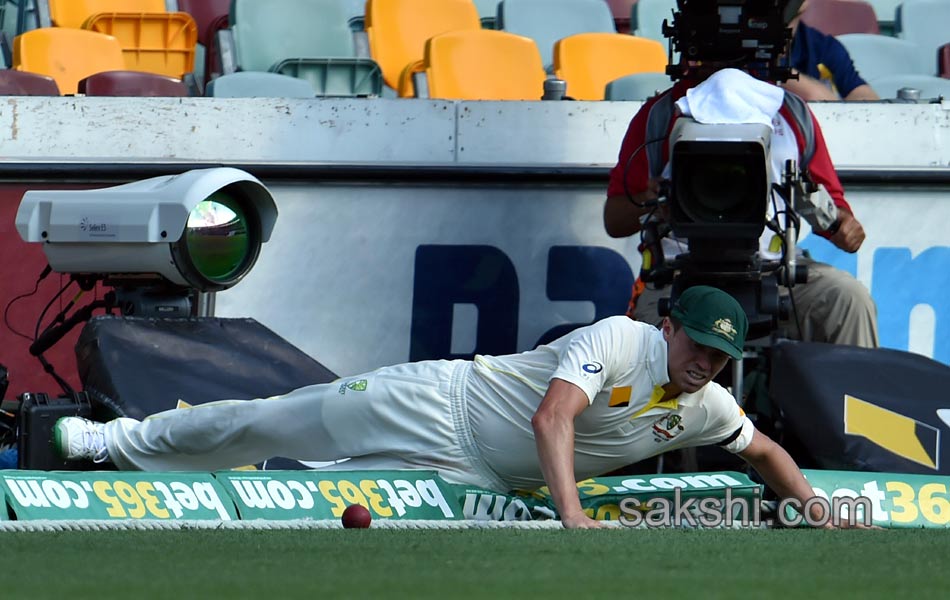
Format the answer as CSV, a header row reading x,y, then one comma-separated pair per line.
x,y
635,169
822,171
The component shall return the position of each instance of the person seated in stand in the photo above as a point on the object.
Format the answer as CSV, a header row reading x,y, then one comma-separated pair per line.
x,y
824,67
600,397
832,306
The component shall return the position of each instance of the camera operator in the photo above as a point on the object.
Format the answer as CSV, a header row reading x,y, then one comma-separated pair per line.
x,y
832,306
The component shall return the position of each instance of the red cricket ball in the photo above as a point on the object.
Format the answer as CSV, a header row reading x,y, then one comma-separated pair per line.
x,y
356,517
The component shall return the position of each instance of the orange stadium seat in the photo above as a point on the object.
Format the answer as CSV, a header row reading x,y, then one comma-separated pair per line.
x,y
398,29
73,13
161,43
132,83
482,64
589,61
66,55
547,21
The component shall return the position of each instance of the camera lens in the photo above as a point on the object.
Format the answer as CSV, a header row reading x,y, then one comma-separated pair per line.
x,y
218,238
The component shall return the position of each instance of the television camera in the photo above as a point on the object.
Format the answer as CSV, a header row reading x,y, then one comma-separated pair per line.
x,y
721,183
163,246
159,243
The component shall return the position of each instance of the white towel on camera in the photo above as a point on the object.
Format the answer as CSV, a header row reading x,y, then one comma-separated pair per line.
x,y
732,96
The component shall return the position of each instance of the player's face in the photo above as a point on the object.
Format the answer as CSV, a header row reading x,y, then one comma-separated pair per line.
x,y
691,365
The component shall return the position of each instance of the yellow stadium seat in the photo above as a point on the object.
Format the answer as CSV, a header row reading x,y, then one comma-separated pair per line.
x,y
66,55
162,43
73,13
397,31
482,64
589,61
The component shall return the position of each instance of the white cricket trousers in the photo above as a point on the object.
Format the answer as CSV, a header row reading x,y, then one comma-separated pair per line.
x,y
410,416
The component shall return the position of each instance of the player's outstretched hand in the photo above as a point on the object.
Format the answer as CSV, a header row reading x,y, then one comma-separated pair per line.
x,y
581,521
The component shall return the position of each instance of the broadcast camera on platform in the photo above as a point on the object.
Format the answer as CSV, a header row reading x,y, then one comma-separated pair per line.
x,y
160,248
158,243
721,186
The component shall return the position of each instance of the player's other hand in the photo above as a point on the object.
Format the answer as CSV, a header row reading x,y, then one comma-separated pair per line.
x,y
580,521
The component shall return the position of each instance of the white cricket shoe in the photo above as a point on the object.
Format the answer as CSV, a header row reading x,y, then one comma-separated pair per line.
x,y
76,438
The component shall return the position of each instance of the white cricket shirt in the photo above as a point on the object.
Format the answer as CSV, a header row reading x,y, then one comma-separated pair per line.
x,y
619,363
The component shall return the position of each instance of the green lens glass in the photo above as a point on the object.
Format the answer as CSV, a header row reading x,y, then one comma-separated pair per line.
x,y
218,238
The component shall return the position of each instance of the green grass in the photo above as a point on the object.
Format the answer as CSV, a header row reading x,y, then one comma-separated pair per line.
x,y
320,564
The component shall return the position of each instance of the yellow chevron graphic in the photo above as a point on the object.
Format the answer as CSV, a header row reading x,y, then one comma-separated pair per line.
x,y
890,430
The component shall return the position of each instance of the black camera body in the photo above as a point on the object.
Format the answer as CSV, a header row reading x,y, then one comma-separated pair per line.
x,y
752,35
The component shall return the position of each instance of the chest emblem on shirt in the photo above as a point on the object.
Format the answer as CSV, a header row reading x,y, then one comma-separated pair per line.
x,y
667,427
358,385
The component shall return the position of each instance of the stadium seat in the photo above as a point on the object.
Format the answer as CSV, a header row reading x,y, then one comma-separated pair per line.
x,y
621,11
943,61
210,16
162,43
73,13
23,83
268,34
257,84
589,61
132,83
398,30
483,64
929,86
639,86
885,11
335,76
877,56
17,16
487,12
925,23
66,55
838,17
355,12
547,21
646,18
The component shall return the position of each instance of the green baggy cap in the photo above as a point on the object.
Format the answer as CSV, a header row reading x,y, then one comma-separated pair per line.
x,y
712,318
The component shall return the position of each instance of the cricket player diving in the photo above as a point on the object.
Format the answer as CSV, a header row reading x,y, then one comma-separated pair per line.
x,y
599,398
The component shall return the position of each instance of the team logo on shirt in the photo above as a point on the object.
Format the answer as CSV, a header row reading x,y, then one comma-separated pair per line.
x,y
668,427
358,385
592,367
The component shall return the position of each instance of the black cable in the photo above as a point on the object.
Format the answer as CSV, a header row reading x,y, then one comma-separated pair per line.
x,y
39,321
68,389
626,172
6,310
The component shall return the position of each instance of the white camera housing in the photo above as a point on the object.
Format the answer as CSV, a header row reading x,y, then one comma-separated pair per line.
x,y
154,228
